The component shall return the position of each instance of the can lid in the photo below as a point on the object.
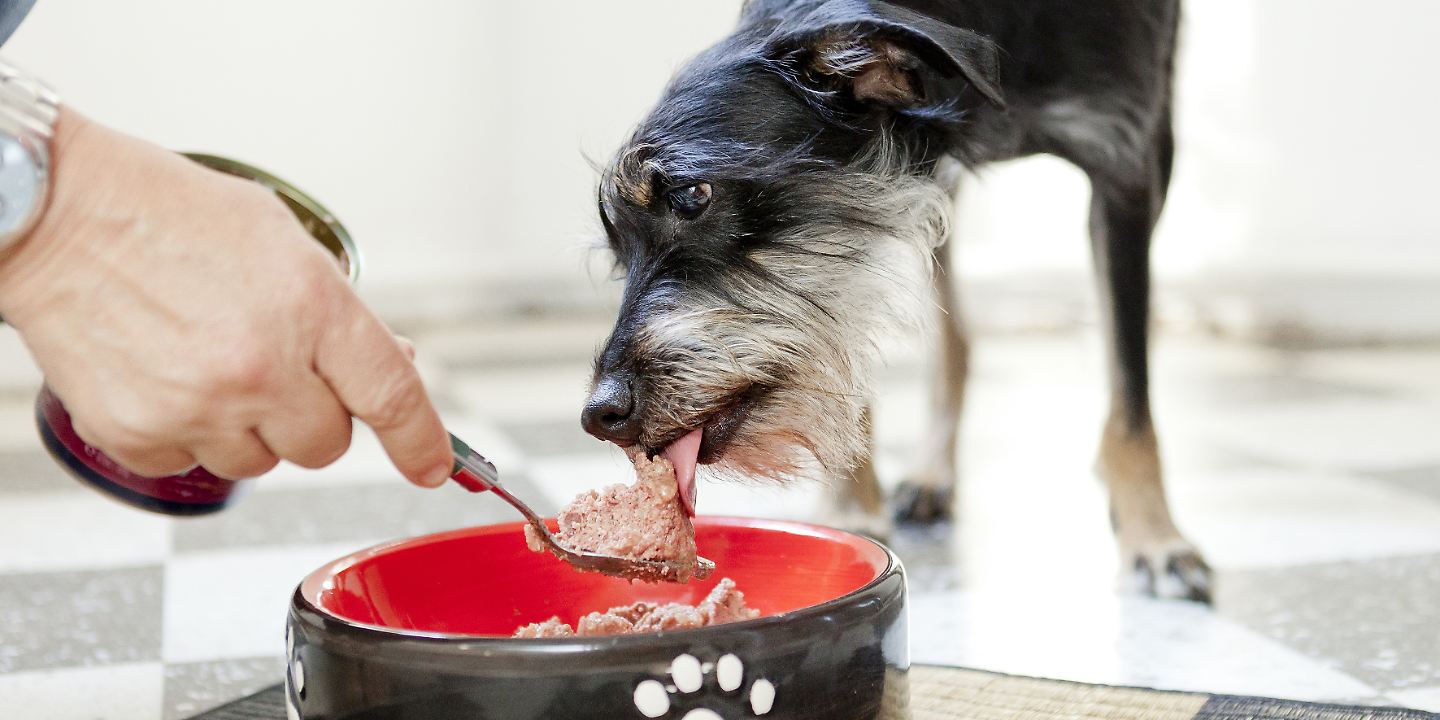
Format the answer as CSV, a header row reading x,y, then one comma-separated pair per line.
x,y
318,221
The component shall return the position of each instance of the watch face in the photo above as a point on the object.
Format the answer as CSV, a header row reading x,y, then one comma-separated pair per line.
x,y
22,179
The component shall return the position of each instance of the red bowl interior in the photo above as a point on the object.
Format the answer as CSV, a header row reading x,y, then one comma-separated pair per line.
x,y
485,581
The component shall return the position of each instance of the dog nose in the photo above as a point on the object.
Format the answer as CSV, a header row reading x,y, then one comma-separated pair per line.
x,y
610,412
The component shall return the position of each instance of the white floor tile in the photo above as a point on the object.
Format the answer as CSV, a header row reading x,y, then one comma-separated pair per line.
x,y
1338,434
1274,518
1403,369
19,381
1418,699
74,531
17,369
1036,534
232,604
115,692
17,426
1101,638
1032,515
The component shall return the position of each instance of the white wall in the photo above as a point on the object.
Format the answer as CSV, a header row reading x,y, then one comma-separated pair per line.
x,y
1308,144
1348,109
446,134
450,134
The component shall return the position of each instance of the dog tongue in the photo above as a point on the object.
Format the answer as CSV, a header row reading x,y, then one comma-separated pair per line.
x,y
684,454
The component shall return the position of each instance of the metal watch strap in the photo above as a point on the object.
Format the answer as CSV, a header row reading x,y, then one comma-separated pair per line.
x,y
28,102
29,110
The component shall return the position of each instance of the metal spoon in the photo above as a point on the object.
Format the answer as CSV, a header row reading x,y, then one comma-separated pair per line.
x,y
476,474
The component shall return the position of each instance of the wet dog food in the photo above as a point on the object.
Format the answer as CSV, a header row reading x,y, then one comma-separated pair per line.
x,y
644,521
724,604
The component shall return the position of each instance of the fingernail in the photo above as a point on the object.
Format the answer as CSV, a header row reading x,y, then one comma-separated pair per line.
x,y
437,477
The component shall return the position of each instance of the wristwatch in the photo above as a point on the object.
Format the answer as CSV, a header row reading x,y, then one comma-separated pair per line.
x,y
28,110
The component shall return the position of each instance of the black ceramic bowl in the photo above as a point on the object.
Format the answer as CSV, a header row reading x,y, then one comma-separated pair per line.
x,y
420,629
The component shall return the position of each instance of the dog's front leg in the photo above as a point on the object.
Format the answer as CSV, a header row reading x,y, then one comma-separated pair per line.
x,y
1155,558
927,494
859,506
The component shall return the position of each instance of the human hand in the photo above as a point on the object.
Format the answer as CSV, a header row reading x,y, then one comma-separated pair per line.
x,y
185,317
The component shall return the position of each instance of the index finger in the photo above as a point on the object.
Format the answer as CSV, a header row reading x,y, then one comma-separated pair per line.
x,y
368,370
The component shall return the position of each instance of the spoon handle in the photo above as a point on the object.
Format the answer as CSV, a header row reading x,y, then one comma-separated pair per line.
x,y
471,469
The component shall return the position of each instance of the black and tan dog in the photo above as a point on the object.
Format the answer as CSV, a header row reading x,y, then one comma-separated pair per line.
x,y
784,204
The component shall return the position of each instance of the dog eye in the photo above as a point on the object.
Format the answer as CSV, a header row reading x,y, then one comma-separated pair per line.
x,y
689,201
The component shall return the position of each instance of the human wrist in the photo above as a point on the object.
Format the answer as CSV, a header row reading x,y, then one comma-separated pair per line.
x,y
27,254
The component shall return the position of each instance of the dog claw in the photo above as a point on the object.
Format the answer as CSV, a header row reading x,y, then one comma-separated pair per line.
x,y
923,504
1183,574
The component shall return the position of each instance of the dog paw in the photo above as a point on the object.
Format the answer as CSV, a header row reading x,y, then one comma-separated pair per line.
x,y
1171,571
917,503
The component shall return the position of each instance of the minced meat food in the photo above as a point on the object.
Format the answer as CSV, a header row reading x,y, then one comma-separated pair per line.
x,y
724,604
644,521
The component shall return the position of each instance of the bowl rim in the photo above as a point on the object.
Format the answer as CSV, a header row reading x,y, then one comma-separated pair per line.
x,y
314,581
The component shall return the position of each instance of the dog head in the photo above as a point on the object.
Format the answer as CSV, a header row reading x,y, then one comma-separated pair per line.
x,y
774,217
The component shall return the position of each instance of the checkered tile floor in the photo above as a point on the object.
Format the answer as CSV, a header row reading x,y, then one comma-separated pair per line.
x,y
1312,480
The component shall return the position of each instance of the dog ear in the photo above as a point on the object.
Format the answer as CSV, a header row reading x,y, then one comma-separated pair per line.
x,y
880,48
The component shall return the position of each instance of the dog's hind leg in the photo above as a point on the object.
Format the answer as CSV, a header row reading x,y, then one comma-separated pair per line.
x,y
1155,557
928,494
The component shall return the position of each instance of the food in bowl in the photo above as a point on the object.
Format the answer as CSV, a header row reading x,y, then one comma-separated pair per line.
x,y
724,604
644,521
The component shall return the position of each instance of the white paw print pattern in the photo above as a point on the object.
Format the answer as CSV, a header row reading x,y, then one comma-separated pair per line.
x,y
687,675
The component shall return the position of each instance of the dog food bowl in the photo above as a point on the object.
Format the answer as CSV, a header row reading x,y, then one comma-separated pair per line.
x,y
421,628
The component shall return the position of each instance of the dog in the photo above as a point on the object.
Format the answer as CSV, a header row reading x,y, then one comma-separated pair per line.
x,y
785,204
